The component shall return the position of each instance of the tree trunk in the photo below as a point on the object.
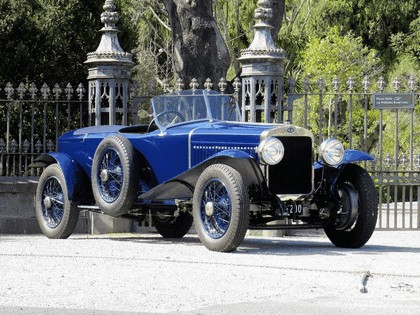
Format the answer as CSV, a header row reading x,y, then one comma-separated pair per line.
x,y
277,18
199,49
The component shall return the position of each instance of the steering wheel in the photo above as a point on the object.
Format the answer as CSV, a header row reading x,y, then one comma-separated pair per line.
x,y
173,117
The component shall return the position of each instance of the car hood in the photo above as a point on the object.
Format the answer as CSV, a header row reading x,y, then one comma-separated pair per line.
x,y
236,131
236,128
210,139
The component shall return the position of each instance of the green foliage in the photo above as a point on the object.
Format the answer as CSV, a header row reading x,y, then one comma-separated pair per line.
x,y
337,58
334,55
45,40
404,68
148,21
378,23
407,48
236,18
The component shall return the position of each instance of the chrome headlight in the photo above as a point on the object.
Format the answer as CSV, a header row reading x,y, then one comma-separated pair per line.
x,y
331,151
271,151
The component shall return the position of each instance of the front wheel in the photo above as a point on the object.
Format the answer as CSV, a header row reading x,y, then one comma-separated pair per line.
x,y
221,208
57,216
355,220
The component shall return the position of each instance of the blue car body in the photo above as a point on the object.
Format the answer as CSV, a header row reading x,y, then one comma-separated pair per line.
x,y
191,131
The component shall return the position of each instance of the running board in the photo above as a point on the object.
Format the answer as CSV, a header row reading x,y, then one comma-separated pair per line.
x,y
96,209
90,208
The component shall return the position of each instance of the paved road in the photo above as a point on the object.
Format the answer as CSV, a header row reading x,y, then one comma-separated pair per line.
x,y
143,274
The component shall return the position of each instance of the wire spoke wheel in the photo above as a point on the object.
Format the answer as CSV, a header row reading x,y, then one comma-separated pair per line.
x,y
110,175
114,175
216,208
221,208
56,214
53,202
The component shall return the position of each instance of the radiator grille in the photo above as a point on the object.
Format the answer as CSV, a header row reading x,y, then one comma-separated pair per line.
x,y
293,175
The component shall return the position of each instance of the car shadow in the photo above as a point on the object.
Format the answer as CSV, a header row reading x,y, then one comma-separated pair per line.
x,y
321,246
296,246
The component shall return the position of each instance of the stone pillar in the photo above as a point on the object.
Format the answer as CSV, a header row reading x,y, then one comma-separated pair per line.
x,y
109,74
262,71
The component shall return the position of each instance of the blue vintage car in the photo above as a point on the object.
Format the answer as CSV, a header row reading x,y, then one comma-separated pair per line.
x,y
197,162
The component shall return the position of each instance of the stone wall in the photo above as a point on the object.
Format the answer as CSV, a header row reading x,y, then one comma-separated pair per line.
x,y
17,215
17,212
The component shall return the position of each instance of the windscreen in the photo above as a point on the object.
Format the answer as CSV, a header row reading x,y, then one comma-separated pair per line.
x,y
223,107
187,106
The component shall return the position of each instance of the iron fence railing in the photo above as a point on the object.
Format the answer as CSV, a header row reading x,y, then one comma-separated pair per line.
x,y
32,119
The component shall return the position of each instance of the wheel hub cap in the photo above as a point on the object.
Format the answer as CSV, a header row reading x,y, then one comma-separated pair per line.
x,y
104,175
47,202
209,208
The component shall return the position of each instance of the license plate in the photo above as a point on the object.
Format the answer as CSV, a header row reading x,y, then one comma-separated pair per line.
x,y
295,208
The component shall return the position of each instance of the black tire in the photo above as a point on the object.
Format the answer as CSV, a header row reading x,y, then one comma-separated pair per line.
x,y
114,175
172,227
221,208
57,216
354,183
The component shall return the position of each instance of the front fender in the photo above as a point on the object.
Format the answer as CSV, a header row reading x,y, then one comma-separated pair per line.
x,y
355,155
75,177
349,157
331,175
182,186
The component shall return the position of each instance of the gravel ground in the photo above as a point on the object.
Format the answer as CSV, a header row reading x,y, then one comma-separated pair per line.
x,y
143,274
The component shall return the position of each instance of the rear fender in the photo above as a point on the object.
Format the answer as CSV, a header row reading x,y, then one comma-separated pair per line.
x,y
182,186
76,179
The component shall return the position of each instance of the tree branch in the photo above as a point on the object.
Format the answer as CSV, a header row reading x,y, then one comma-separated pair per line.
x,y
160,20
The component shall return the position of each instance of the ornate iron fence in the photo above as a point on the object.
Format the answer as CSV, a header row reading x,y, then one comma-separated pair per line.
x,y
32,119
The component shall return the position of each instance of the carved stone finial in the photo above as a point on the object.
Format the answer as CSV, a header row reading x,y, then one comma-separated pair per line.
x,y
263,45
109,67
110,17
109,50
264,12
109,5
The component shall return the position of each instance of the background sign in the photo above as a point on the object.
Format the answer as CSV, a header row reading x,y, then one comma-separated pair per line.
x,y
393,100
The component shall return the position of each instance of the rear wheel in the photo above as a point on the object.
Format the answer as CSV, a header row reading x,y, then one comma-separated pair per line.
x,y
56,214
353,224
221,208
114,175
